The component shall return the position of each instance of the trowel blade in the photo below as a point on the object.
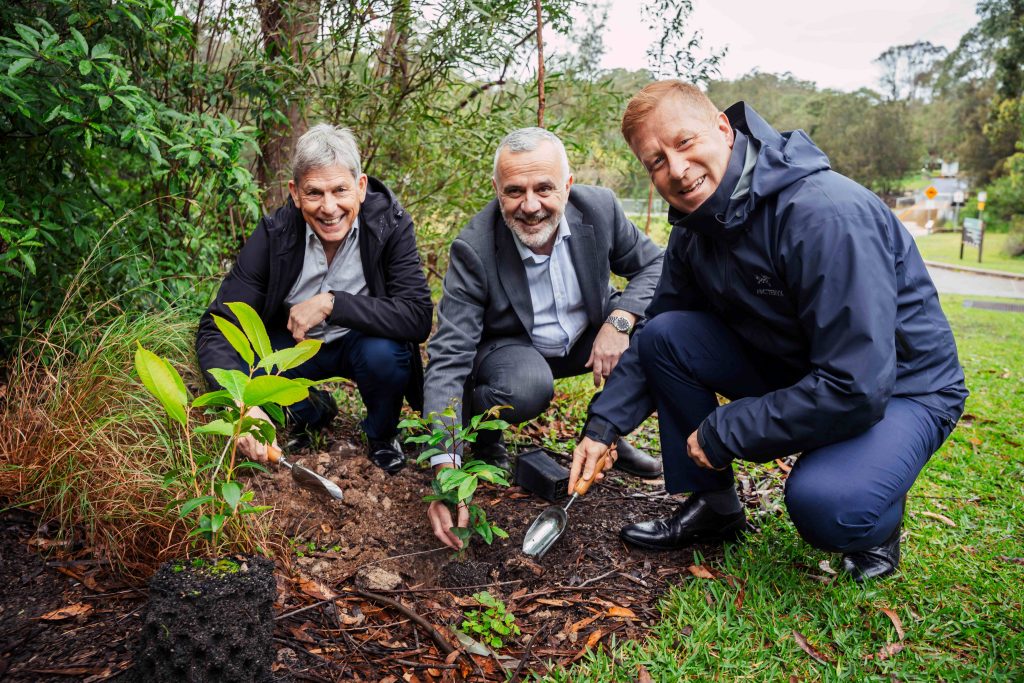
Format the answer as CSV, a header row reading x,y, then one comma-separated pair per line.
x,y
544,531
312,481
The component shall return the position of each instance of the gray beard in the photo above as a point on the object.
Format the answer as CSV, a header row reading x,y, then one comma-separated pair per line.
x,y
534,240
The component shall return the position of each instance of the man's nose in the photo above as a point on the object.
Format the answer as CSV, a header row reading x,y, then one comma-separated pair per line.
x,y
531,203
330,203
678,165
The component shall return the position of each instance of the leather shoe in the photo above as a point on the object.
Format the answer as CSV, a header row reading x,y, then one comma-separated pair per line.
x,y
634,461
874,563
694,522
494,454
386,455
299,440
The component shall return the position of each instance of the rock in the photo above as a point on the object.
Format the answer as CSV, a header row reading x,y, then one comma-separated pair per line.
x,y
377,579
386,503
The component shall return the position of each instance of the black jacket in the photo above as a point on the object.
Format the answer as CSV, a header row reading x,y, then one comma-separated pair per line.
x,y
816,272
397,307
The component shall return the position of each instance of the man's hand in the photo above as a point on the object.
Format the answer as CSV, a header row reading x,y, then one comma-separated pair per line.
x,y
441,518
697,455
250,447
609,345
584,460
308,314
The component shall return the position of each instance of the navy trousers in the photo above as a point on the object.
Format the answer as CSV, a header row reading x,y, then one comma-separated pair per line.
x,y
380,368
843,497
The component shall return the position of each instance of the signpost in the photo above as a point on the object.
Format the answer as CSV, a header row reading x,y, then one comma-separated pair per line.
x,y
973,233
958,201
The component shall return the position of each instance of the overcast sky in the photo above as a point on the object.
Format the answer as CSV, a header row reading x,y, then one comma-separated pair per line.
x,y
830,43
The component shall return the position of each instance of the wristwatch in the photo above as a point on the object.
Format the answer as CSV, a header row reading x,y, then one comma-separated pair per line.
x,y
620,323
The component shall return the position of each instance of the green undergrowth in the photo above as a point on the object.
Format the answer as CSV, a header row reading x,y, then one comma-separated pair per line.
x,y
958,596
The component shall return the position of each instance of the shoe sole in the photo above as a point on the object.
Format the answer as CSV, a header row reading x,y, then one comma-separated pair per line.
x,y
730,534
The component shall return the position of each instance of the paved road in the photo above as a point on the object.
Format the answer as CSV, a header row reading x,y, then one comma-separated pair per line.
x,y
972,284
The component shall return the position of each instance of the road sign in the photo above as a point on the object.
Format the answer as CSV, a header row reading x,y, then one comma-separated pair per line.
x,y
931,192
982,198
958,198
973,233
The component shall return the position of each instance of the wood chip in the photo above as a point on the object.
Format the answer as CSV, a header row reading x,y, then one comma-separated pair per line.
x,y
895,619
616,611
801,640
642,675
67,612
887,651
700,571
942,518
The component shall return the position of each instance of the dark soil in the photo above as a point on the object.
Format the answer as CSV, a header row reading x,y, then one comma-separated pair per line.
x,y
364,590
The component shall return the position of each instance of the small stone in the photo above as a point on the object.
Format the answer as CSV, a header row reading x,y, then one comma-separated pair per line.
x,y
378,579
386,503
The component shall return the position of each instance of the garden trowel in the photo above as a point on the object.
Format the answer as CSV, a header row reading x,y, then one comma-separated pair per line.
x,y
305,477
550,524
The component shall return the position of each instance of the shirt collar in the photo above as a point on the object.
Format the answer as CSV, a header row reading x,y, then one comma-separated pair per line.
x,y
526,254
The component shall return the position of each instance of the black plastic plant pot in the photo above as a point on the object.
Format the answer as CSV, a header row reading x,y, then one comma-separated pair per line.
x,y
539,473
208,623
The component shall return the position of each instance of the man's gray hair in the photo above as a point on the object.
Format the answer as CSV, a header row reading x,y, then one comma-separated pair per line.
x,y
529,139
324,146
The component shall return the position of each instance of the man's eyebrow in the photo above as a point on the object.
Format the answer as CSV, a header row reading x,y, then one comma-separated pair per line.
x,y
511,188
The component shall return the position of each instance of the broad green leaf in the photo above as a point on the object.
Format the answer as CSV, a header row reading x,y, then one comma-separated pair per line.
x,y
467,487
104,102
233,381
499,532
190,505
164,382
253,327
231,492
217,522
275,412
193,158
221,397
236,338
85,67
318,382
292,357
19,65
80,39
273,389
222,427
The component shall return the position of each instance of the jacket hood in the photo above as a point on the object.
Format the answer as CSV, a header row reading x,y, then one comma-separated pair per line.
x,y
782,159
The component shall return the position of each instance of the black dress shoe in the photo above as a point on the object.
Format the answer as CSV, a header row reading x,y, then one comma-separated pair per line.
x,y
386,455
494,454
874,563
694,522
634,461
299,440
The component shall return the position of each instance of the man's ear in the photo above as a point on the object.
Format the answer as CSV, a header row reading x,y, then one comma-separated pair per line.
x,y
725,128
362,187
568,183
494,184
293,190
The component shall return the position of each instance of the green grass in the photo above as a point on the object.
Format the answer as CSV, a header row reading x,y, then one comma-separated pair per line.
x,y
944,247
958,595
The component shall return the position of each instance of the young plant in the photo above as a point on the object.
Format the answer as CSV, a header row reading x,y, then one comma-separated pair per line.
x,y
456,485
216,497
493,624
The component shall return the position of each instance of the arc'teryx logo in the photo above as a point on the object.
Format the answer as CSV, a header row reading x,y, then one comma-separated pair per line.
x,y
764,286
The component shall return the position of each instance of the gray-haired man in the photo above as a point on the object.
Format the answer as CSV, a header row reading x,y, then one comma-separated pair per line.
x,y
338,263
527,299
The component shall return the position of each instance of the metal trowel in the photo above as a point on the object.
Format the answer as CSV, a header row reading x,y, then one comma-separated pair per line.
x,y
305,477
550,524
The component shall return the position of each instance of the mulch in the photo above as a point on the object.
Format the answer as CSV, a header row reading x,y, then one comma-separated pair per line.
x,y
365,592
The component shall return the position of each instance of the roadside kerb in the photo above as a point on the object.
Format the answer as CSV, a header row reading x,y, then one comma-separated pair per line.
x,y
976,271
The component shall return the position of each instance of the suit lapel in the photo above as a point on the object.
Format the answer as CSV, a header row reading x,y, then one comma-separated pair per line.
x,y
583,251
512,273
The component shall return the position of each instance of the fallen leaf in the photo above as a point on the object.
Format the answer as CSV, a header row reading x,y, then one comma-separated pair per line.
x,y
316,590
942,518
801,640
389,679
616,611
894,618
436,673
299,633
686,631
826,567
887,651
1011,560
594,637
783,465
738,602
700,571
584,622
642,675
452,656
67,612
554,602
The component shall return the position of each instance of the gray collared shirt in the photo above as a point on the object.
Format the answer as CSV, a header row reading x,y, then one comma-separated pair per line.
x,y
345,274
559,317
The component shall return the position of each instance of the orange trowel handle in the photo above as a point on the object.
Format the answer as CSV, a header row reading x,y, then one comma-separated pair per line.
x,y
583,485
273,453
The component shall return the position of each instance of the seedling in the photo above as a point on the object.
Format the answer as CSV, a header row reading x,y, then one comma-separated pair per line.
x,y
216,498
492,625
456,485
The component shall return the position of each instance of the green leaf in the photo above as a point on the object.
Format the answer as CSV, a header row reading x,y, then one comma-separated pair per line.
x,y
190,505
499,532
234,381
104,102
29,262
85,67
467,487
292,357
217,522
193,160
164,382
253,327
221,397
19,65
236,338
80,39
231,492
274,389
222,427
274,412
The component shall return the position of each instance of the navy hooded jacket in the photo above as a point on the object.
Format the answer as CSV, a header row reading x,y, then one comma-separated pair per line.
x,y
815,272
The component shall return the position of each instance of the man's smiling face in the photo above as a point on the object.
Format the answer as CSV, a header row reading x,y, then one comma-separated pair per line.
x,y
329,199
685,151
533,190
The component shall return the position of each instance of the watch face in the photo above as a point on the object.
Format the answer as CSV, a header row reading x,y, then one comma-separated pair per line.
x,y
621,324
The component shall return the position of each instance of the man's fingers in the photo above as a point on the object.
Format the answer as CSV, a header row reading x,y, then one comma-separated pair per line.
x,y
578,456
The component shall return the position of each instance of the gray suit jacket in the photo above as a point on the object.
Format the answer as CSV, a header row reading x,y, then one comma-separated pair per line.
x,y
485,301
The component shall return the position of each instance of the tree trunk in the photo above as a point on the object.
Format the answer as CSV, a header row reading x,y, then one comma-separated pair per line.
x,y
289,32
